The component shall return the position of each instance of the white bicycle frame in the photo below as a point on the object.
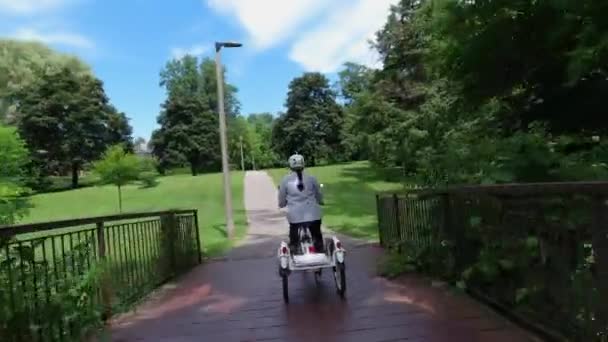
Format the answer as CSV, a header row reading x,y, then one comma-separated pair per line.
x,y
286,259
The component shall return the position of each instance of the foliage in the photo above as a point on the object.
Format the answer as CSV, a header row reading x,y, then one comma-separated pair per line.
x,y
260,140
19,63
487,46
118,167
466,95
119,129
13,159
188,134
395,264
52,96
72,111
313,122
58,297
530,253
148,176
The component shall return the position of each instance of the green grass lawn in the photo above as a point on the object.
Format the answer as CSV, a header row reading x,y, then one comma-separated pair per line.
x,y
349,190
202,192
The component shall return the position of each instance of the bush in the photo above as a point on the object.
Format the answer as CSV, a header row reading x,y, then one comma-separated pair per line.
x,y
71,301
148,179
147,172
119,168
13,159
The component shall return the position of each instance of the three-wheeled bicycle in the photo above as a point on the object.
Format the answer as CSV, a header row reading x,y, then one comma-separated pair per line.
x,y
305,258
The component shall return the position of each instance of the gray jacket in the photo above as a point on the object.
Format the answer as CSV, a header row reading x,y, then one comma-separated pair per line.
x,y
302,206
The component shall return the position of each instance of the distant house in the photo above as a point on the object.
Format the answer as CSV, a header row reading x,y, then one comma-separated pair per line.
x,y
141,148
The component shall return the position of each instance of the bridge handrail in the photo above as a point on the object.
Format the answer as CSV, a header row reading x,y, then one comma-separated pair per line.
x,y
62,277
24,228
559,229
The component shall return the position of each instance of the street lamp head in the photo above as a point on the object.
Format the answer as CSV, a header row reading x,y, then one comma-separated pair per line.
x,y
219,45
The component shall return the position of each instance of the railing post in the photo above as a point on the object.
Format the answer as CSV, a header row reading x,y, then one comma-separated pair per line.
x,y
106,294
198,237
168,228
600,249
379,217
397,221
447,214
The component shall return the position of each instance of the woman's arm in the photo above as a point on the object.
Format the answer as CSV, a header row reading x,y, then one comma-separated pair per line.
x,y
282,194
317,191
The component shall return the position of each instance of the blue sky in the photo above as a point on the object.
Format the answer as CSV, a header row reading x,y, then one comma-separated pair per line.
x,y
127,42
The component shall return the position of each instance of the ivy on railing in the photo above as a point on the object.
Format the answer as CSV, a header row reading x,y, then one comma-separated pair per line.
x,y
61,280
530,250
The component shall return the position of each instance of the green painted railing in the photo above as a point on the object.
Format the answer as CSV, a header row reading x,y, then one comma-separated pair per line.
x,y
538,252
59,280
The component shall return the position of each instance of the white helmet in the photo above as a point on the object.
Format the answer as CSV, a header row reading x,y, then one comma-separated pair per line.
x,y
296,162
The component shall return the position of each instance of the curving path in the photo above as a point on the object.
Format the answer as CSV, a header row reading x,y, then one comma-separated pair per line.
x,y
239,298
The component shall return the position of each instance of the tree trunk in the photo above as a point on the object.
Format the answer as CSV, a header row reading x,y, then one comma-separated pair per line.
x,y
119,200
193,169
74,175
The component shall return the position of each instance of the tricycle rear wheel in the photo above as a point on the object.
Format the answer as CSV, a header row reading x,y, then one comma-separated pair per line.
x,y
340,278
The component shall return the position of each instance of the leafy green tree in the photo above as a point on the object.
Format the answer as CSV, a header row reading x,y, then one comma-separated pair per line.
x,y
260,133
239,130
119,168
19,64
119,129
189,121
354,79
69,110
313,122
14,157
402,46
148,175
541,59
209,85
188,133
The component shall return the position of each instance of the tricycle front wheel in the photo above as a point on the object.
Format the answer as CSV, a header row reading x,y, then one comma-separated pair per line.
x,y
340,278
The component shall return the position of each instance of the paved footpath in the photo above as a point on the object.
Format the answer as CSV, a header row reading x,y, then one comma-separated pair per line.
x,y
239,298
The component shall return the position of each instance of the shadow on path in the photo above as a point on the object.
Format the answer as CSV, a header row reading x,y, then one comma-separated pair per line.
x,y
240,300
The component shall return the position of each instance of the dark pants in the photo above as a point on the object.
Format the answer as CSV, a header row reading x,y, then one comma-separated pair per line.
x,y
315,231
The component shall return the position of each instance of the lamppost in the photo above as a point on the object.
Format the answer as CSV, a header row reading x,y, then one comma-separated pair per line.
x,y
223,143
242,157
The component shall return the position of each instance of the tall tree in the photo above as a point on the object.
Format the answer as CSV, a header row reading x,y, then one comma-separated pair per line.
x,y
313,122
544,60
402,50
188,132
119,129
64,114
260,126
19,64
354,79
208,74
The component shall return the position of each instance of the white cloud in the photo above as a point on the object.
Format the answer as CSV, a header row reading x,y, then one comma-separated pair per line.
x,y
29,6
57,38
194,50
342,37
269,22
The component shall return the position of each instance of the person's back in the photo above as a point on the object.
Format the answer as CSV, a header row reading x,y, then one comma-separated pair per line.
x,y
302,205
301,194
